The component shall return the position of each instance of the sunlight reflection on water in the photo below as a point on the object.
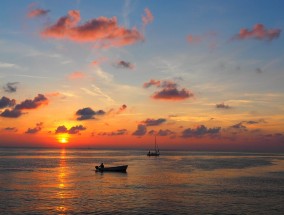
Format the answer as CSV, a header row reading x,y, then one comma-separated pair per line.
x,y
63,181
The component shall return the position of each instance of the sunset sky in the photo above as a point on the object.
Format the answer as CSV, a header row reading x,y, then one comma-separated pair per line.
x,y
113,74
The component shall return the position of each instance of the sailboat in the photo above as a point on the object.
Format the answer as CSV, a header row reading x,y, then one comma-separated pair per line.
x,y
156,152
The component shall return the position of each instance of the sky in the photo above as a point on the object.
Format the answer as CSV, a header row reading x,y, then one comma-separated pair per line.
x,y
198,75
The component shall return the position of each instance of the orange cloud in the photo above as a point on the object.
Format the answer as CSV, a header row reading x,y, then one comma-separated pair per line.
x,y
76,75
104,31
258,32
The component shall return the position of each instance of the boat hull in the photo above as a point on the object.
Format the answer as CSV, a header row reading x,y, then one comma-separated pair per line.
x,y
153,154
112,169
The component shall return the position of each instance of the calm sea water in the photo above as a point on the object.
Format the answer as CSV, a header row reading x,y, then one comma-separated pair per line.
x,y
63,181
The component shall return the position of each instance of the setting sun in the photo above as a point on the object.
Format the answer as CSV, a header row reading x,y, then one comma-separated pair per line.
x,y
63,138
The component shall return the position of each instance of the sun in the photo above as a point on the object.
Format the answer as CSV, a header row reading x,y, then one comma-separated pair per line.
x,y
63,138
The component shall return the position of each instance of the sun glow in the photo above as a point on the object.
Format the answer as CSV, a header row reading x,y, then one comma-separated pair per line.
x,y
63,138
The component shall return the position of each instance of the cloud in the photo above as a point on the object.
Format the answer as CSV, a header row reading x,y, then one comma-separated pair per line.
x,y
6,102
37,12
172,94
14,113
76,129
10,87
141,130
88,113
10,129
124,65
114,133
207,38
258,32
123,107
200,131
161,132
102,30
239,126
76,75
35,130
73,130
39,100
154,122
152,83
222,106
148,17
169,90
61,129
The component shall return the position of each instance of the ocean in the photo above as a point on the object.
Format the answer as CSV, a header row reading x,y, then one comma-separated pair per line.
x,y
63,181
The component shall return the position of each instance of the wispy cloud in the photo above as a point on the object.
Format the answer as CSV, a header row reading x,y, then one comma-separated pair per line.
x,y
37,12
96,91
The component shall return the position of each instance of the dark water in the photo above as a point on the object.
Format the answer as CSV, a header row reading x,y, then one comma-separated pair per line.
x,y
63,181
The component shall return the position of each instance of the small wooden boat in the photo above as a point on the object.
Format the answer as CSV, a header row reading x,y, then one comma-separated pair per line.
x,y
156,152
112,169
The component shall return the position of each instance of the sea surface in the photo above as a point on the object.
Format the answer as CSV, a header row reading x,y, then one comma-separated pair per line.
x,y
63,181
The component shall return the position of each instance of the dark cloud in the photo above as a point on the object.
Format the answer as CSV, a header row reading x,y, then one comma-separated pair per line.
x,y
154,122
61,129
258,32
88,113
161,132
10,87
251,122
259,70
39,100
10,129
14,113
222,106
123,107
6,102
35,130
200,131
169,90
239,126
124,65
73,130
76,129
141,130
114,133
172,94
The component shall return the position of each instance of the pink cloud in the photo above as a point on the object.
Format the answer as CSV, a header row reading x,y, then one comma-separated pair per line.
x,y
152,82
76,75
104,31
258,32
37,12
148,18
99,61
194,39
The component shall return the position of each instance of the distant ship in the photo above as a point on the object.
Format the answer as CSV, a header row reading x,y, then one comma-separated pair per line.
x,y
156,152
